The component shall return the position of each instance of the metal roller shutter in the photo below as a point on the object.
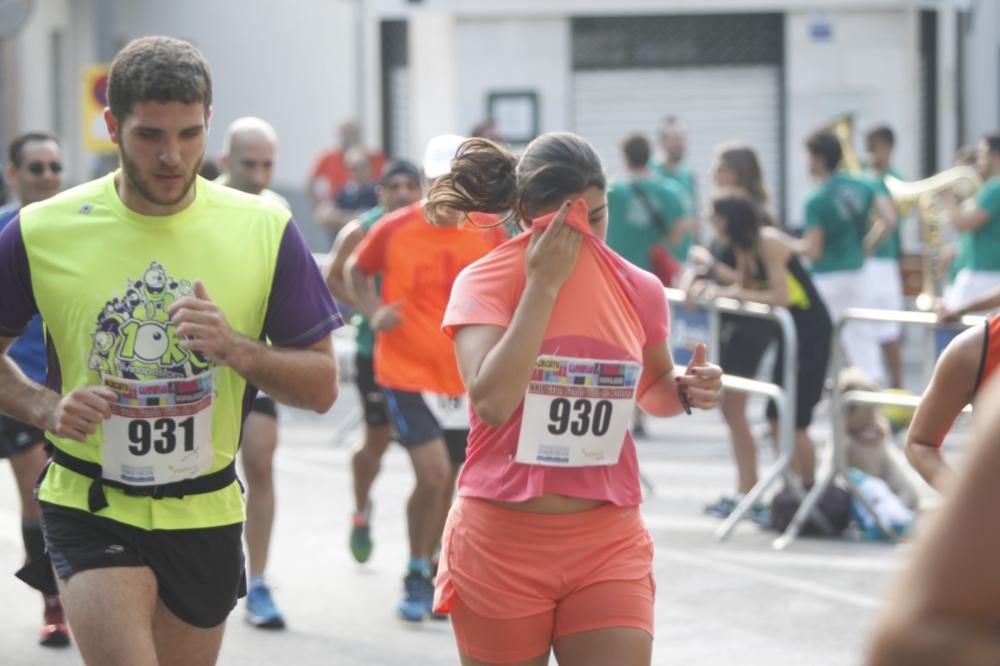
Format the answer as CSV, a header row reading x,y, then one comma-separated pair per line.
x,y
717,103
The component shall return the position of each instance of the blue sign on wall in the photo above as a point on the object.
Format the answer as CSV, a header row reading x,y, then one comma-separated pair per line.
x,y
820,28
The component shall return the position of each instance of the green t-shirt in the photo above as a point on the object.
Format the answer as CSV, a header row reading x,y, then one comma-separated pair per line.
x,y
840,207
979,250
366,337
631,228
683,178
890,248
682,175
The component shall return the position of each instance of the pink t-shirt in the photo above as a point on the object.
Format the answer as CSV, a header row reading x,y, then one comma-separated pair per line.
x,y
607,309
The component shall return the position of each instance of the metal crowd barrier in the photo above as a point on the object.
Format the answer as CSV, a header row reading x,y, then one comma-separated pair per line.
x,y
784,397
840,401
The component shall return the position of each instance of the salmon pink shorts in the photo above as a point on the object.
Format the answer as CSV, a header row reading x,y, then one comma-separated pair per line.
x,y
514,582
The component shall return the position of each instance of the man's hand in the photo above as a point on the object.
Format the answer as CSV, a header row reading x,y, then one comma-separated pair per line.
x,y
386,317
202,327
79,413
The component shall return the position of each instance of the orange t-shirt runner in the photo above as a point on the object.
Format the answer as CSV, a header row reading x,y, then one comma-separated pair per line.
x,y
418,263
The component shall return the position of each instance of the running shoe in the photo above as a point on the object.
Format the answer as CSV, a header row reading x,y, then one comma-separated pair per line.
x,y
418,597
361,538
262,612
761,515
55,631
722,507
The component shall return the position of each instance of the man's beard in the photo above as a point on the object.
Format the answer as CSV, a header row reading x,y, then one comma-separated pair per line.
x,y
140,185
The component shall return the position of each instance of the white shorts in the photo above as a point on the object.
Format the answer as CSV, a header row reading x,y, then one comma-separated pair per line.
x,y
846,289
968,285
883,291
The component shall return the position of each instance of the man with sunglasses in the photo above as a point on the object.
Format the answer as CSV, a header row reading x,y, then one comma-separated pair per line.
x,y
34,173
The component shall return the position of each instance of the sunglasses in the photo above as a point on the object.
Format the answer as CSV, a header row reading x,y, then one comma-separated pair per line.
x,y
38,168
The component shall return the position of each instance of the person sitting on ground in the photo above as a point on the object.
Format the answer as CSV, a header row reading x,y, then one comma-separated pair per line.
x,y
869,440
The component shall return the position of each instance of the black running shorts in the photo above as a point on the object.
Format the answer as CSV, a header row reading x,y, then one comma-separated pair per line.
x,y
416,424
372,398
265,406
200,572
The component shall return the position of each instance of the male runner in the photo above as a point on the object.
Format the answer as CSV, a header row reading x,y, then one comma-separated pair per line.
x,y
158,290
34,172
400,187
248,151
414,361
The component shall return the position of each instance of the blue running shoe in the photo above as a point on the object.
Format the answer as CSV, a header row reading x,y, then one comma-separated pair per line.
x,y
416,603
262,612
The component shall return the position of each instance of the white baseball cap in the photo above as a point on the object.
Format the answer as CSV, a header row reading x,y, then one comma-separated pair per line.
x,y
440,152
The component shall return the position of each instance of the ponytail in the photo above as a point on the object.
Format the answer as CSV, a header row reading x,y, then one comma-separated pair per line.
x,y
487,178
483,178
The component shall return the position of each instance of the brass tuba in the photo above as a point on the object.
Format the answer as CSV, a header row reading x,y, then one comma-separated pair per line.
x,y
964,182
842,127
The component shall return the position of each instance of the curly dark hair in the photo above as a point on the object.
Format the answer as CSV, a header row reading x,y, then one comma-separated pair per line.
x,y
158,69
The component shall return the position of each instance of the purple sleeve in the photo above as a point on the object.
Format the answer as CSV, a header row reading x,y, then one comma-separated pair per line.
x,y
17,302
300,310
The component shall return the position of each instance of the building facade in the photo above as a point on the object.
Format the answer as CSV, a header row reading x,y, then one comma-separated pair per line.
x,y
763,71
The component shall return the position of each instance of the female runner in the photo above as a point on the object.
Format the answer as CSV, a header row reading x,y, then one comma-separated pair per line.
x,y
557,339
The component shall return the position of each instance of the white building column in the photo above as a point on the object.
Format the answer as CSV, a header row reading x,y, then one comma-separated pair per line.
x,y
433,79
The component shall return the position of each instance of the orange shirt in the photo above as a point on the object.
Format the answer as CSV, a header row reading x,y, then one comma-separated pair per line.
x,y
991,352
330,165
418,263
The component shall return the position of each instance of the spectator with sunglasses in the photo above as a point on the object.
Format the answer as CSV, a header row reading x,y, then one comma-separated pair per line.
x,y
34,173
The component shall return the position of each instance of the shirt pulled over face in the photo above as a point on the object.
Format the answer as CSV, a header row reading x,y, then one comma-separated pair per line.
x,y
608,309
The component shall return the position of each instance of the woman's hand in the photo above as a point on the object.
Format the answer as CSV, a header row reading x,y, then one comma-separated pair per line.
x,y
699,256
702,381
552,253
